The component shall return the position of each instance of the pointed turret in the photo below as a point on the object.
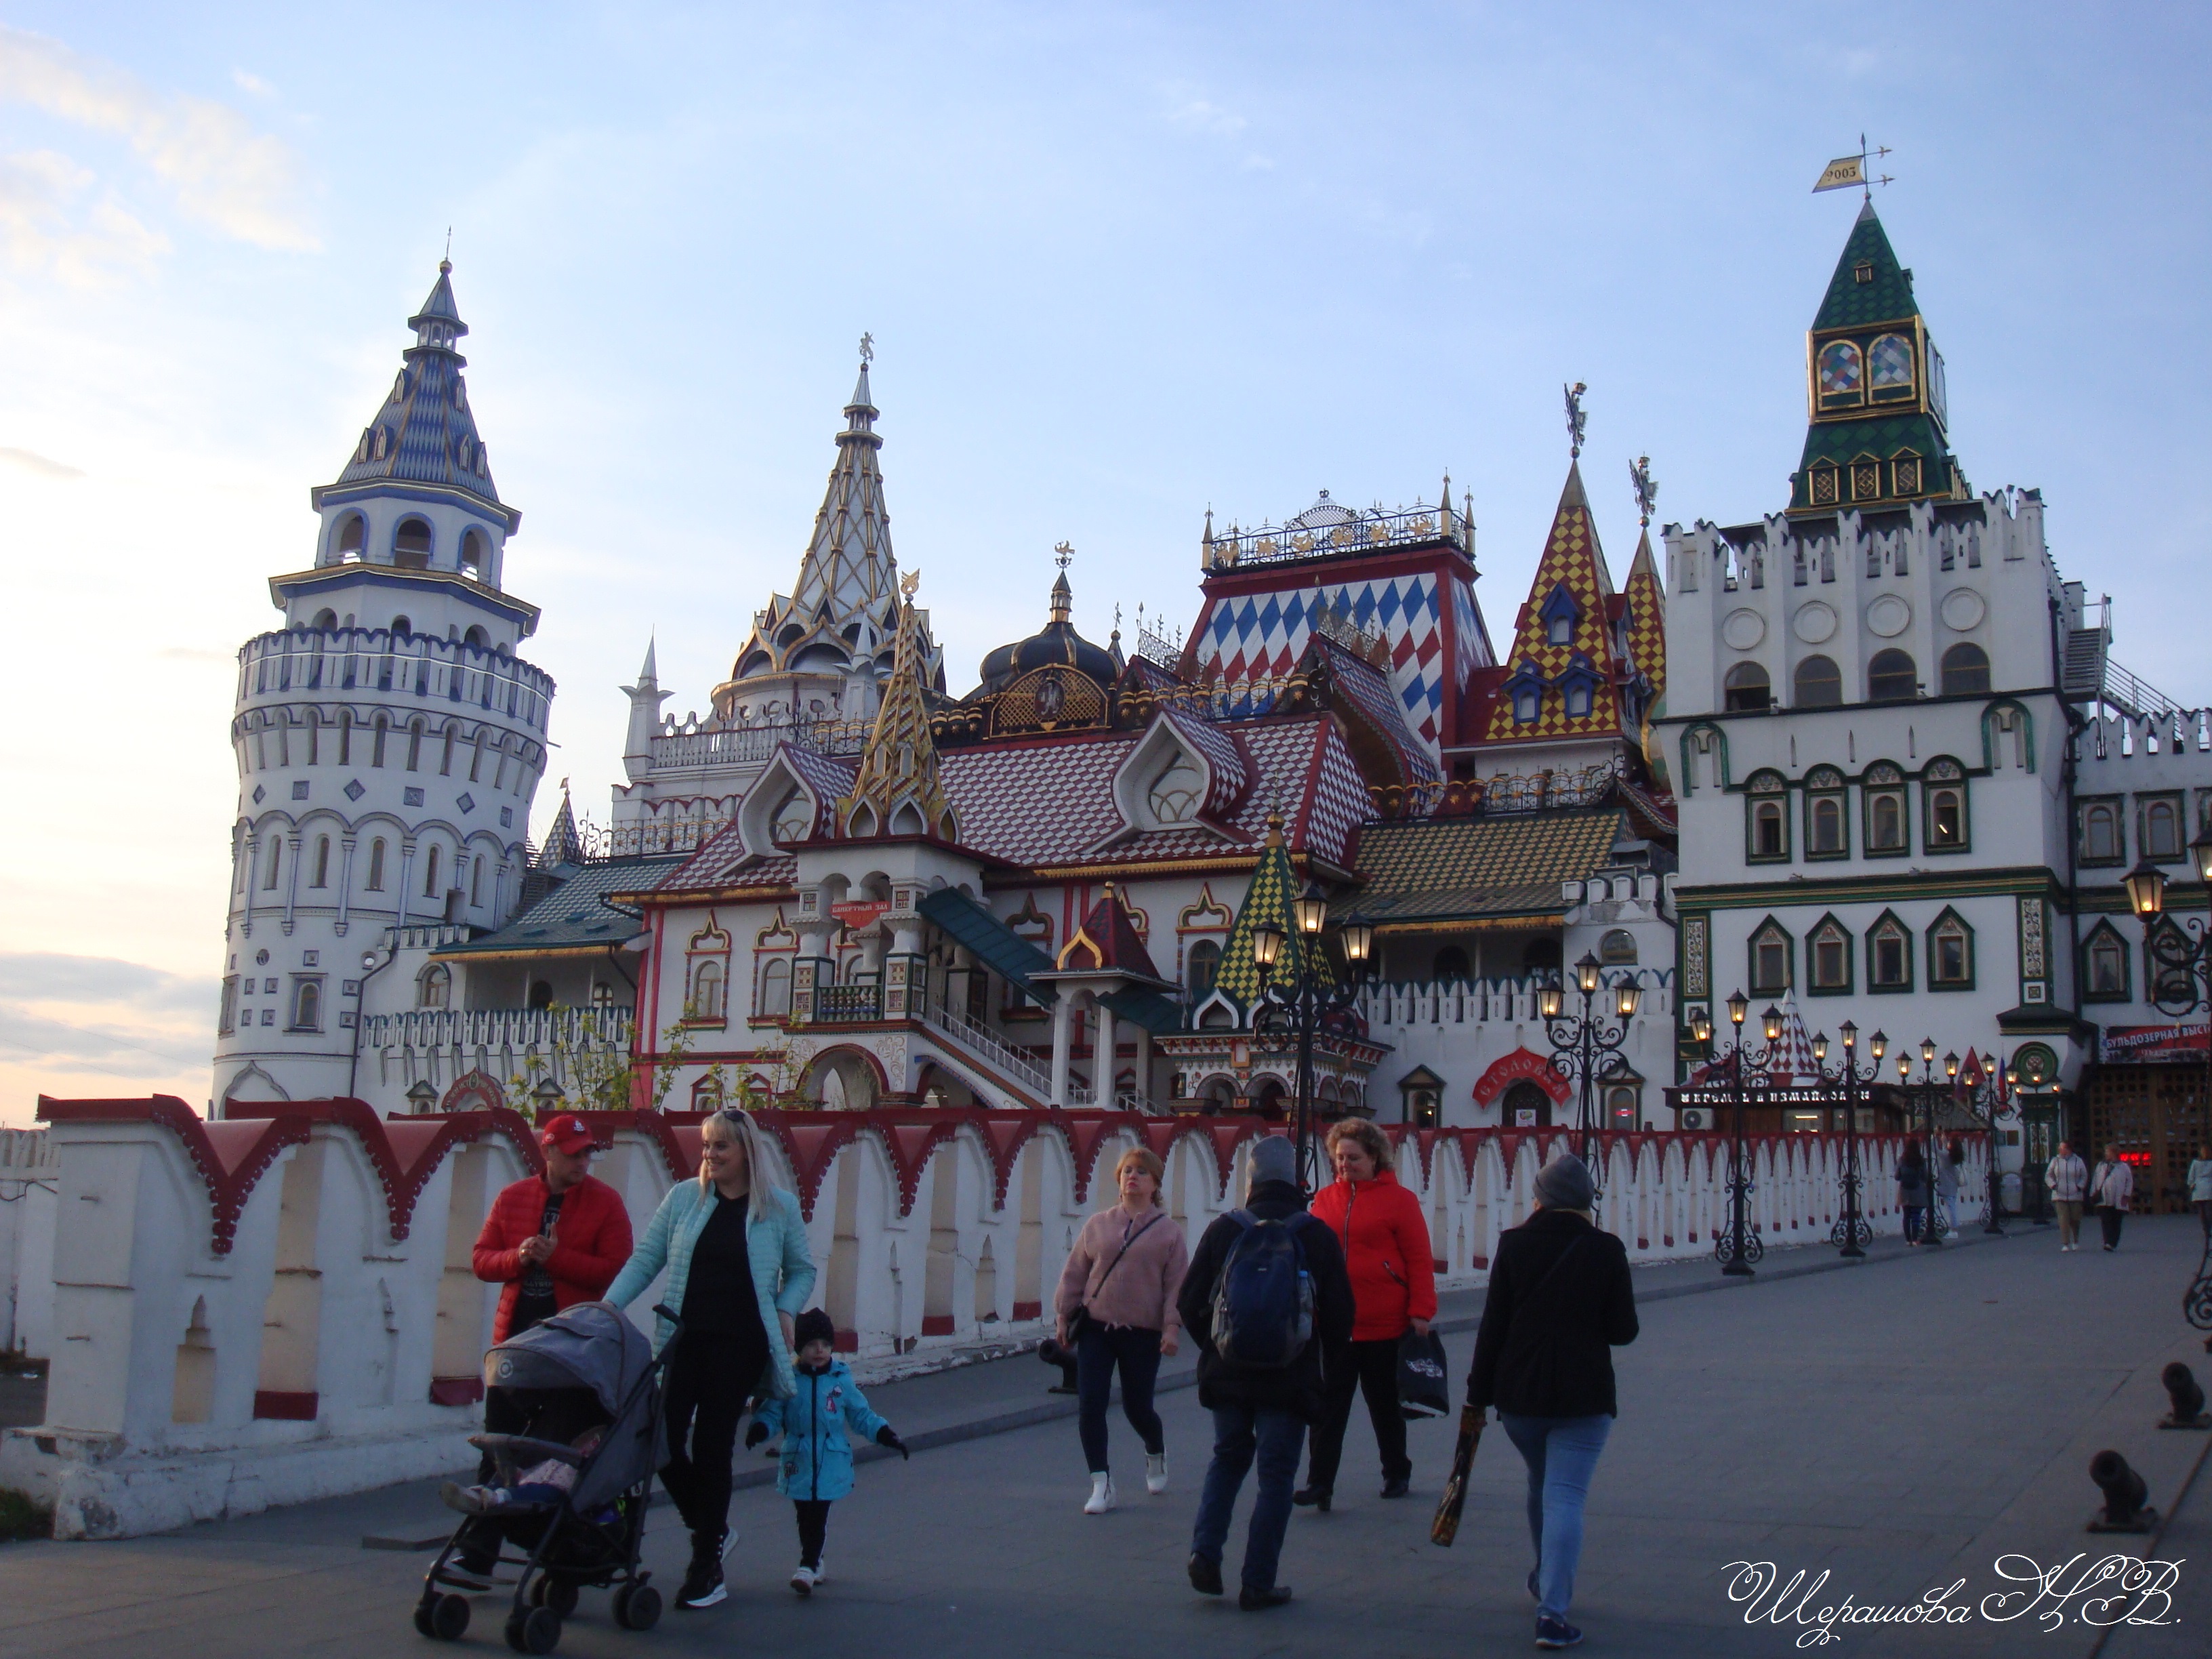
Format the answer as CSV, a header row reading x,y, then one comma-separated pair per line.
x,y
897,790
645,700
1268,902
1646,617
1565,672
564,845
1875,387
837,623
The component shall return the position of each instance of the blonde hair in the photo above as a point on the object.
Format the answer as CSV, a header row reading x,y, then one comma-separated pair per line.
x,y
1359,1129
1149,1161
737,1124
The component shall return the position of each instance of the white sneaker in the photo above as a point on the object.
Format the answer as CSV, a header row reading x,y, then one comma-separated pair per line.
x,y
803,1578
821,1573
1102,1495
1156,1472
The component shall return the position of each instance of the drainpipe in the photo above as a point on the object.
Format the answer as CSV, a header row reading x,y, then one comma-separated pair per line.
x,y
360,1008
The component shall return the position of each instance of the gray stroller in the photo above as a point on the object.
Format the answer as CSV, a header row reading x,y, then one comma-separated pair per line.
x,y
585,1368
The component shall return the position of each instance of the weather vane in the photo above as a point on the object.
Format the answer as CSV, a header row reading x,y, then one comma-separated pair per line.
x,y
1062,554
1645,486
1576,420
867,348
1847,170
908,582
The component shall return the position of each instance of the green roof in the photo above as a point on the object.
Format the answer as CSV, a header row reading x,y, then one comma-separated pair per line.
x,y
1851,303
572,916
1001,949
1839,442
1446,870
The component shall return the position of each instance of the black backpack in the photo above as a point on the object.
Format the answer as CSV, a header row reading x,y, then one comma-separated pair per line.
x,y
1263,1301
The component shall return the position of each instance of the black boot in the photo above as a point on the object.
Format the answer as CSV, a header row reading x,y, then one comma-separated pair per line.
x,y
702,1579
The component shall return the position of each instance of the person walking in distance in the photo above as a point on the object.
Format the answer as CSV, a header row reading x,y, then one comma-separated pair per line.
x,y
2068,1178
1116,1307
1947,1181
2200,1189
2112,1189
739,1272
1912,1191
1559,1301
816,1466
1388,1256
1268,1303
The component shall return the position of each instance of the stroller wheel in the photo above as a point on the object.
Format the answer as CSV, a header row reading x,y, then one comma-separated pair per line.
x,y
538,1630
637,1607
556,1593
442,1617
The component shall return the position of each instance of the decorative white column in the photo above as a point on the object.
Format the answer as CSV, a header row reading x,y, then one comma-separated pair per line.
x,y
345,881
1063,1012
1102,1057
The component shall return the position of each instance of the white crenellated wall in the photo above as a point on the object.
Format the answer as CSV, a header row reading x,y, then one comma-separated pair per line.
x,y
265,1310
30,1178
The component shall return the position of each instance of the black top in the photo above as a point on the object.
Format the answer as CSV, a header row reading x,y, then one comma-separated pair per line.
x,y
1296,1388
535,1300
719,1296
1545,1348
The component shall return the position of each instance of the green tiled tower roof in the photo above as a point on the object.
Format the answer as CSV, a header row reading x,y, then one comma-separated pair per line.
x,y
1274,888
1850,302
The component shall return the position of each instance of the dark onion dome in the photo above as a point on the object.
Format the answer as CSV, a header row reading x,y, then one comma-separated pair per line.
x,y
1056,643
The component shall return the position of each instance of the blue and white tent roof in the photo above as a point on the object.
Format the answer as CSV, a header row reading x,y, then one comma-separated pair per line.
x,y
425,433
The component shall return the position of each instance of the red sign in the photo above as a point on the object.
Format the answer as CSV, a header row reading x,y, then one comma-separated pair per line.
x,y
2153,1045
859,915
1519,1066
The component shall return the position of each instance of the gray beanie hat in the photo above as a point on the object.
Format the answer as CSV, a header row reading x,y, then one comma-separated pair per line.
x,y
1565,1183
1273,1159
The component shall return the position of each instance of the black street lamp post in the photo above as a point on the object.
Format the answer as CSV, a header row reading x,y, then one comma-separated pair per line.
x,y
1308,1001
1742,1246
1851,1231
2182,959
1985,1106
1585,1050
1927,1088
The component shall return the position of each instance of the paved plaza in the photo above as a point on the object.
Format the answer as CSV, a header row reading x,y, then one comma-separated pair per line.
x,y
1901,1426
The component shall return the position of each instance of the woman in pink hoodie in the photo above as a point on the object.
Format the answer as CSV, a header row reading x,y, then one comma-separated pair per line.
x,y
1122,1278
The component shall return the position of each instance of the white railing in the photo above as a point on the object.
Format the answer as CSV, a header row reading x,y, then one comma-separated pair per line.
x,y
277,665
438,1045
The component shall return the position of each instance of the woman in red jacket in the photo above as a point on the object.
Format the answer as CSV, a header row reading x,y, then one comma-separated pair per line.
x,y
1394,1288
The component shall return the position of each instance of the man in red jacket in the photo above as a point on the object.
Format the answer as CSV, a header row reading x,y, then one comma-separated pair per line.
x,y
555,1239
1394,1288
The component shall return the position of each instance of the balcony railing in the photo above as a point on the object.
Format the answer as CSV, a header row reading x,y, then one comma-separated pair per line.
x,y
406,665
516,1029
1363,531
848,1005
746,745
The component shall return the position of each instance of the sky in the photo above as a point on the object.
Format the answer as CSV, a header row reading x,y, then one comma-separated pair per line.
x,y
1121,264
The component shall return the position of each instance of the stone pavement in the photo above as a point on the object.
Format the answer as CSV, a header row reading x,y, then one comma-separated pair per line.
x,y
1900,1426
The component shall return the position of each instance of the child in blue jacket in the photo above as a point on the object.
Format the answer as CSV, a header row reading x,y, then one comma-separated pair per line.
x,y
817,1457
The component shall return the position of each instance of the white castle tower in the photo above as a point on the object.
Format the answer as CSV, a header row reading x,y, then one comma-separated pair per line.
x,y
388,738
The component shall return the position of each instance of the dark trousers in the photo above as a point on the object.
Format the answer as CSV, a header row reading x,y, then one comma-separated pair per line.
x,y
1241,1433
813,1528
1915,1220
2203,1206
2109,1219
708,1383
1137,1352
1373,1372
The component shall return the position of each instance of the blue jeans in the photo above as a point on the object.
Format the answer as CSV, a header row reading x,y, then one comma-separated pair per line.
x,y
1561,1453
1278,1438
1137,1352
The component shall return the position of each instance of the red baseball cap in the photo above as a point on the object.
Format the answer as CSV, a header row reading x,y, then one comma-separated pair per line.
x,y
568,1132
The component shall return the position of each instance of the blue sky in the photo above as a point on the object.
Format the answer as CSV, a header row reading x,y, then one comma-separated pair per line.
x,y
1122,263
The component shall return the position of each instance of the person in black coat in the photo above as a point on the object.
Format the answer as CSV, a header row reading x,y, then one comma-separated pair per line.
x,y
1261,1414
1559,1301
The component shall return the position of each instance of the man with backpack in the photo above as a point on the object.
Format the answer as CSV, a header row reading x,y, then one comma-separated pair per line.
x,y
1269,1304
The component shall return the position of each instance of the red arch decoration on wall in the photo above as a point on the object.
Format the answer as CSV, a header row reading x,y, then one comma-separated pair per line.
x,y
1522,1065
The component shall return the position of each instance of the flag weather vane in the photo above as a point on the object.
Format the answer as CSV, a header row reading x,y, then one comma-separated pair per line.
x,y
1576,420
1646,487
1848,170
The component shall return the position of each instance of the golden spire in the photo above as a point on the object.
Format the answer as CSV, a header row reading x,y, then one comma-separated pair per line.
x,y
897,790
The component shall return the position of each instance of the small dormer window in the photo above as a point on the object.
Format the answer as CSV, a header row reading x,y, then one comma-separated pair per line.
x,y
1862,272
1174,796
1577,697
1559,627
1528,702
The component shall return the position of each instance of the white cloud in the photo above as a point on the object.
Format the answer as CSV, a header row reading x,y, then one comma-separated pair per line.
x,y
40,466
105,1017
1202,116
221,171
42,226
248,81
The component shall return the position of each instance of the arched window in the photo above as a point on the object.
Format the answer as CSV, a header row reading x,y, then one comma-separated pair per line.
x,y
1769,807
1842,372
402,628
322,862
1748,688
1577,699
1559,626
2107,960
414,746
376,748
541,994
376,865
472,554
430,872
2161,830
476,884
1943,787
1771,960
353,535
1950,954
1617,948
325,620
308,1005
1828,957
2100,832
1527,705
775,988
1965,670
1892,678
433,987
1889,955
706,1094
275,859
1201,967
477,637
1883,789
1819,683
794,817
1525,1107
1175,794
410,545
706,987
1827,825
1449,965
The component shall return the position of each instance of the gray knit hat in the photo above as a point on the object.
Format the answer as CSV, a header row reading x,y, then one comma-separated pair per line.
x,y
1565,1183
1272,1159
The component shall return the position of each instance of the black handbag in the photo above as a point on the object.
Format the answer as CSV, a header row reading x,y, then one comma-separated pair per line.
x,y
1424,1388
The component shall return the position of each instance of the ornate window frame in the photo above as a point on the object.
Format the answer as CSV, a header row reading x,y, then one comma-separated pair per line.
x,y
1825,786
1771,932
1949,923
1829,933
1887,927
1766,803
1941,778
1884,781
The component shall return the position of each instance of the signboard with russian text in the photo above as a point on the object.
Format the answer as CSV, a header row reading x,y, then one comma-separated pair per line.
x,y
859,914
2153,1045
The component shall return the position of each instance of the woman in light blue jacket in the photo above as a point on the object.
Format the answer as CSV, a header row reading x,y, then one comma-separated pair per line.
x,y
739,1272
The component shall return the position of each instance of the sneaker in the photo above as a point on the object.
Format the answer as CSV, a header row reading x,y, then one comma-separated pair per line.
x,y
1556,1633
821,1573
1254,1599
1156,1472
469,1500
1397,1488
803,1578
1102,1495
1205,1575
702,1585
1316,1498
